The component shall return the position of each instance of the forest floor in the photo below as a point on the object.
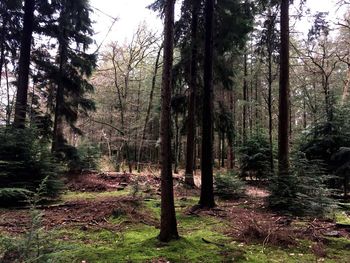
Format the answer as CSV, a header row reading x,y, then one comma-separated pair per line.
x,y
114,217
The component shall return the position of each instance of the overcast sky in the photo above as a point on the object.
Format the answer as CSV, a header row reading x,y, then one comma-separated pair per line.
x,y
131,13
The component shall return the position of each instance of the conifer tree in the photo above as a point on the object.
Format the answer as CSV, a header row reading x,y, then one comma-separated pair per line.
x,y
24,63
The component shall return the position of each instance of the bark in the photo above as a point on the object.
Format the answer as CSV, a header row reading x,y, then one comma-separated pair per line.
x,y
269,105
207,191
230,152
189,180
24,64
9,106
176,143
223,150
245,98
283,127
168,225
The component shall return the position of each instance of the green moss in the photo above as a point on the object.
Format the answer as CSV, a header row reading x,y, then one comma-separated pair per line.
x,y
342,218
139,244
70,196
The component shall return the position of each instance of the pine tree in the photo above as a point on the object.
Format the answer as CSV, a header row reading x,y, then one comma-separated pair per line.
x,y
283,127
65,79
193,94
207,189
168,225
24,63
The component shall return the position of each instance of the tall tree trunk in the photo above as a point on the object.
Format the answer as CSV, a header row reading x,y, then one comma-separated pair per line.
x,y
189,181
176,143
207,191
223,150
168,225
24,64
230,138
245,97
9,105
283,127
269,105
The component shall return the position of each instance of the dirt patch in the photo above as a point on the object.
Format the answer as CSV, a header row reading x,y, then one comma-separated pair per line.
x,y
248,220
85,214
97,182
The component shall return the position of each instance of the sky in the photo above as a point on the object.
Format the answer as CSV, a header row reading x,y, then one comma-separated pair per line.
x,y
131,13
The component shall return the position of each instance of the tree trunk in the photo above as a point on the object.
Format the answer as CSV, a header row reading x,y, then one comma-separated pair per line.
x,y
223,150
283,127
245,97
189,181
24,64
230,138
269,105
207,192
176,143
168,225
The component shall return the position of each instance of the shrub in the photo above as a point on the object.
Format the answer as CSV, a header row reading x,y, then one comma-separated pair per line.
x,y
330,143
255,158
35,245
25,161
303,192
229,186
85,157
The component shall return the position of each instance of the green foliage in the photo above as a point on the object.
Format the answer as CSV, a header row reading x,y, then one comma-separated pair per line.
x,y
302,192
13,195
36,244
330,143
24,162
255,158
85,157
229,186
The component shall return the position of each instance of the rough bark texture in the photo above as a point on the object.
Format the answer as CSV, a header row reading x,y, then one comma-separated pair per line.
x,y
207,191
192,100
168,225
283,127
24,63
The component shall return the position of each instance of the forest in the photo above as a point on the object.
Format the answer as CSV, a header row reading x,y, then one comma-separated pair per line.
x,y
224,137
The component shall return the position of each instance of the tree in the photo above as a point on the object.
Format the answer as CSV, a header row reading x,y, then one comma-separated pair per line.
x,y
168,225
24,64
192,98
207,191
267,47
63,76
283,118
